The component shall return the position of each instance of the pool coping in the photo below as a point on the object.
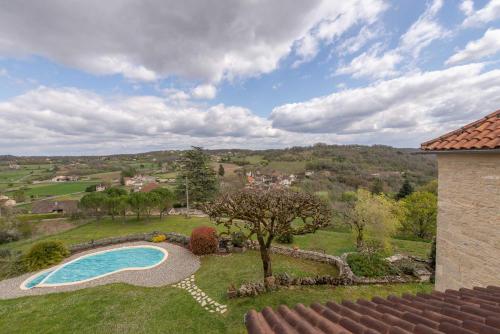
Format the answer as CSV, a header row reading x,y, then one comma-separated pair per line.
x,y
59,267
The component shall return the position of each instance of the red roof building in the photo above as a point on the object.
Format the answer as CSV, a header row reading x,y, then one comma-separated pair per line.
x,y
483,134
466,311
150,186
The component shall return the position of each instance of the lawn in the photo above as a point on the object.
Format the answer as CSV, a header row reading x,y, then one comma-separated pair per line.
x,y
330,242
121,308
55,189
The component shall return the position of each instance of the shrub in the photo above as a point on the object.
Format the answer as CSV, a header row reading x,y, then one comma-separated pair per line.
x,y
373,265
285,238
159,238
204,240
8,236
44,254
238,238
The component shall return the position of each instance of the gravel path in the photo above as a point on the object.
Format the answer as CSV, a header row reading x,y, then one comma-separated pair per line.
x,y
179,265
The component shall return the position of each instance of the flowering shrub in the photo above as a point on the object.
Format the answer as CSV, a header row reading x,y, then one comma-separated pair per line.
x,y
159,238
204,240
45,254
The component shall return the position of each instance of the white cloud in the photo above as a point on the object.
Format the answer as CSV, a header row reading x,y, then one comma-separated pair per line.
x,y
117,64
64,117
486,46
378,64
206,41
424,31
206,91
338,18
354,44
416,106
401,112
3,72
490,12
467,7
372,64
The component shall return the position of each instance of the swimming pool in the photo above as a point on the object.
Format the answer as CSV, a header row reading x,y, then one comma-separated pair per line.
x,y
99,264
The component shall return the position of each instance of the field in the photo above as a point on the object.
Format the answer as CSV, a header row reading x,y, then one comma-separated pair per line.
x,y
55,189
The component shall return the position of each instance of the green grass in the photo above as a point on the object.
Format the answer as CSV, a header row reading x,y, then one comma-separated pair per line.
x,y
121,308
55,189
107,228
247,267
288,167
336,243
330,242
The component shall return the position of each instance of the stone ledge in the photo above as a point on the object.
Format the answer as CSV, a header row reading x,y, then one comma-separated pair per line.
x,y
171,237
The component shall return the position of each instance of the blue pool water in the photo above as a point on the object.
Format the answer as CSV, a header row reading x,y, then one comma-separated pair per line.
x,y
99,264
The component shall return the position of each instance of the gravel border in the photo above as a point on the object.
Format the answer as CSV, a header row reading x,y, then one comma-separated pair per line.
x,y
179,265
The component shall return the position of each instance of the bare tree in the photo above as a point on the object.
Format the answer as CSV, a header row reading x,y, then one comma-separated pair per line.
x,y
268,214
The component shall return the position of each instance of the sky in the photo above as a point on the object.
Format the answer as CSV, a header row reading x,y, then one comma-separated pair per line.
x,y
100,77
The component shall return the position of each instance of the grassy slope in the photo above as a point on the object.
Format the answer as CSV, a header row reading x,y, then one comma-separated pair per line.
x,y
52,189
120,308
330,242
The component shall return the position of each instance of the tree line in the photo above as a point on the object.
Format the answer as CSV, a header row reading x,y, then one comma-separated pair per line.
x,y
117,202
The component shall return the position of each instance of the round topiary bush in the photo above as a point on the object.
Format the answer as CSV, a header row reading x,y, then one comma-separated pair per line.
x,y
204,240
44,254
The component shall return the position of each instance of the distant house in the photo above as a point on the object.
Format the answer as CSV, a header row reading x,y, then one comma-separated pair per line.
x,y
5,201
100,187
14,165
64,178
468,226
66,206
148,187
128,181
184,211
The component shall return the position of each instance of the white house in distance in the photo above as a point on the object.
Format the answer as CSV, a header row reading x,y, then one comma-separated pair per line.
x,y
468,226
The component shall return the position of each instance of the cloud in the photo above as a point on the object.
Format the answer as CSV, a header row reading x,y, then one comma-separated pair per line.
x,y
68,116
467,7
372,64
208,41
377,64
421,104
486,46
400,112
206,91
338,18
354,44
424,31
490,12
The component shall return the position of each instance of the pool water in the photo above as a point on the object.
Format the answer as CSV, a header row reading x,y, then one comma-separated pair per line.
x,y
96,265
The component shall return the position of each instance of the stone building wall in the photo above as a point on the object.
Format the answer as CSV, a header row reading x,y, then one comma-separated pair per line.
x,y
468,232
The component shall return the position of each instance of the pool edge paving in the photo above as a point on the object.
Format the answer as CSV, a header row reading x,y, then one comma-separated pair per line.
x,y
181,264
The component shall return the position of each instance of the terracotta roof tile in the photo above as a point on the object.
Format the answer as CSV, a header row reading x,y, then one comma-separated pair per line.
x,y
483,134
466,311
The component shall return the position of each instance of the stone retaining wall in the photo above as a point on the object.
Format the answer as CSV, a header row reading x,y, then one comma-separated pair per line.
x,y
171,237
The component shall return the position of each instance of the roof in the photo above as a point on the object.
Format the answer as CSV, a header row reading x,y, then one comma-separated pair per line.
x,y
483,134
466,311
67,206
150,186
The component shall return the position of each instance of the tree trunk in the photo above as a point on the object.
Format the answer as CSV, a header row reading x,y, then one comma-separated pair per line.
x,y
266,261
264,255
359,239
